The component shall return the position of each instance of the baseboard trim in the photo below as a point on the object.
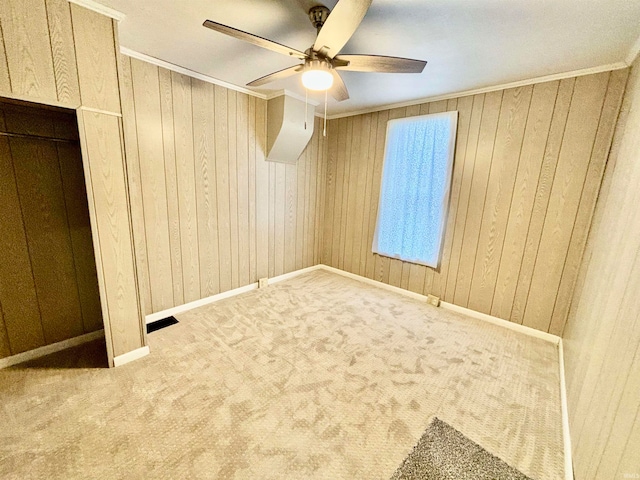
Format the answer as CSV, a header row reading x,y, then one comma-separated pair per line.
x,y
295,273
532,332
49,349
130,356
566,434
154,317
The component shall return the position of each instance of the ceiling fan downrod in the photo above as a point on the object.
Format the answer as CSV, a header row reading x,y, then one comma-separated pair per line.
x,y
318,15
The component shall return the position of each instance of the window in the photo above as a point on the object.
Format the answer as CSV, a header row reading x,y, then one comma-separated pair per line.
x,y
414,194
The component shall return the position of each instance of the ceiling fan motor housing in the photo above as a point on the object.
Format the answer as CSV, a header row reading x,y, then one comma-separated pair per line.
x,y
318,15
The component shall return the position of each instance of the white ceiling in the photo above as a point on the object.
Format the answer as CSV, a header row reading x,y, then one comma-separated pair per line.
x,y
469,44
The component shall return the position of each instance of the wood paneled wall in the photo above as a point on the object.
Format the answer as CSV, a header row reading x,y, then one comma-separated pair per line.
x,y
48,282
602,336
210,214
527,171
57,53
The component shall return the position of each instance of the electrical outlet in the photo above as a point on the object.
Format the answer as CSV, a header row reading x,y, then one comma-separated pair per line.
x,y
263,282
433,300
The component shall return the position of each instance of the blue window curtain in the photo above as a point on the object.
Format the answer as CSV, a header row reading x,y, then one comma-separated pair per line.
x,y
414,193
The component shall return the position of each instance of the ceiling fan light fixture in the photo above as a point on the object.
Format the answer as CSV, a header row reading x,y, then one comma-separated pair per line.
x,y
317,76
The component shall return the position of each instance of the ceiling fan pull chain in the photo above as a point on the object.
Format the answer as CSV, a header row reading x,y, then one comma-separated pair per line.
x,y
306,103
324,132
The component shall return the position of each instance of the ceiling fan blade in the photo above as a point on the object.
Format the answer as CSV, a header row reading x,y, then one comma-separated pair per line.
x,y
340,26
254,39
339,89
379,63
285,72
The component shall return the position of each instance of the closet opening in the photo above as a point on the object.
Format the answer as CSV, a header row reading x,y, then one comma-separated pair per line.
x,y
49,295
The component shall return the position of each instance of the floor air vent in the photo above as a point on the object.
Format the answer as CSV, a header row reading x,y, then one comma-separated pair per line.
x,y
165,322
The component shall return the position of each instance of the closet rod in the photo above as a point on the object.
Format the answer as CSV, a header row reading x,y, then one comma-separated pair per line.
x,y
37,137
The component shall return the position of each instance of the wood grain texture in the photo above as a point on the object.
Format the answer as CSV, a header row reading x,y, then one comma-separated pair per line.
x,y
62,54
589,195
5,348
571,170
541,201
75,194
214,215
63,51
206,196
504,166
531,155
134,179
154,189
186,223
602,333
262,191
28,49
45,217
5,81
96,59
171,179
522,184
107,189
48,237
17,288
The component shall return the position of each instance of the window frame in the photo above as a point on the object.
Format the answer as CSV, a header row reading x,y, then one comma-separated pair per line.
x,y
453,118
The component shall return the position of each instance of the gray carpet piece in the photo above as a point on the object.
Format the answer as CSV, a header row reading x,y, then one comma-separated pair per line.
x,y
443,453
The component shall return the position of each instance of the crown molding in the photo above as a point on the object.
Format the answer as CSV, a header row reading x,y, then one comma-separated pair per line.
x,y
633,52
493,88
97,7
188,72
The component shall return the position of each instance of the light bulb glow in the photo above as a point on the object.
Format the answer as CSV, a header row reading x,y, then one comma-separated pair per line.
x,y
317,79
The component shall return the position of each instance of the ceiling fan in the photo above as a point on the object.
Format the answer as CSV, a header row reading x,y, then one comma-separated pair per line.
x,y
322,60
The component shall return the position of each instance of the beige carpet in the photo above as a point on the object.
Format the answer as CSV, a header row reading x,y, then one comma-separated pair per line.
x,y
316,377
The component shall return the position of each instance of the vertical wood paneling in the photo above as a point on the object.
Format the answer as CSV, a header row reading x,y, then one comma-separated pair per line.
x,y
582,124
75,194
233,184
96,57
262,191
46,225
465,191
106,186
134,179
28,49
187,224
279,218
463,106
53,52
17,288
541,201
5,81
253,252
63,51
589,195
602,334
531,156
504,166
291,193
5,349
373,268
522,158
477,195
154,187
203,101
242,174
224,216
169,148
